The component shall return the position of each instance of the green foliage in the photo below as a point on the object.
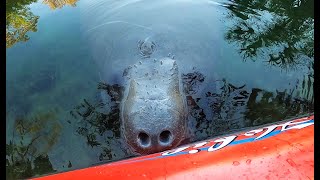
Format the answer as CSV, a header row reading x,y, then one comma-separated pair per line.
x,y
56,4
19,21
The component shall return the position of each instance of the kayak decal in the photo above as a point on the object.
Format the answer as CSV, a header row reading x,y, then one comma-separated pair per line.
x,y
222,142
258,134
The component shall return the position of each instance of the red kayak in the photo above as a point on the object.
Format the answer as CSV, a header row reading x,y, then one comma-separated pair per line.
x,y
281,150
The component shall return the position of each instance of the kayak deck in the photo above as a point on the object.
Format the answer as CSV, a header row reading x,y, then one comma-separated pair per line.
x,y
280,150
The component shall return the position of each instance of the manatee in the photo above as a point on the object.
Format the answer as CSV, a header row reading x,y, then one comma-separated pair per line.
x,y
153,106
123,39
153,110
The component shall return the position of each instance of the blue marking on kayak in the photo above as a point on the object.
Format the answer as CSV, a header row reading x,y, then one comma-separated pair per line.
x,y
235,142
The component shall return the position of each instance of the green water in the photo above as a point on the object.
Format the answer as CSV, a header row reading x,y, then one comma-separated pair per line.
x,y
246,63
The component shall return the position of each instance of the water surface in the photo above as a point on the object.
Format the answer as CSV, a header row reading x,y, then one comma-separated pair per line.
x,y
244,63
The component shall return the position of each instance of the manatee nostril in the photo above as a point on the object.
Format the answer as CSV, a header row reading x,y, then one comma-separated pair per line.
x,y
144,139
165,137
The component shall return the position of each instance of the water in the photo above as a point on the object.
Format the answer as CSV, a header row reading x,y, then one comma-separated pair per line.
x,y
243,63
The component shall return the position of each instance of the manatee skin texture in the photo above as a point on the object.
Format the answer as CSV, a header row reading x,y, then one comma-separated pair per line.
x,y
153,110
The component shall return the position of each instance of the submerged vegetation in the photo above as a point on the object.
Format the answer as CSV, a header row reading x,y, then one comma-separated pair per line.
x,y
223,108
273,34
27,151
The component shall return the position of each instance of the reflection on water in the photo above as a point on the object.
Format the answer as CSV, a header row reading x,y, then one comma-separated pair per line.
x,y
62,115
99,123
276,31
54,4
26,152
231,107
20,20
223,109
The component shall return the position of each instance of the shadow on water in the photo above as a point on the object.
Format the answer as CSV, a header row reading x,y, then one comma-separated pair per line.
x,y
20,20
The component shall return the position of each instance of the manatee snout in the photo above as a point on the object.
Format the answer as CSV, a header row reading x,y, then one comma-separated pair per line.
x,y
154,110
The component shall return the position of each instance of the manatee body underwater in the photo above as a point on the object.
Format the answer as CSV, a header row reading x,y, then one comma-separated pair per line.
x,y
153,110
154,113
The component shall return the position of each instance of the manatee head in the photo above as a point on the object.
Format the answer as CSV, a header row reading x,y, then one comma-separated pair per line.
x,y
153,110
